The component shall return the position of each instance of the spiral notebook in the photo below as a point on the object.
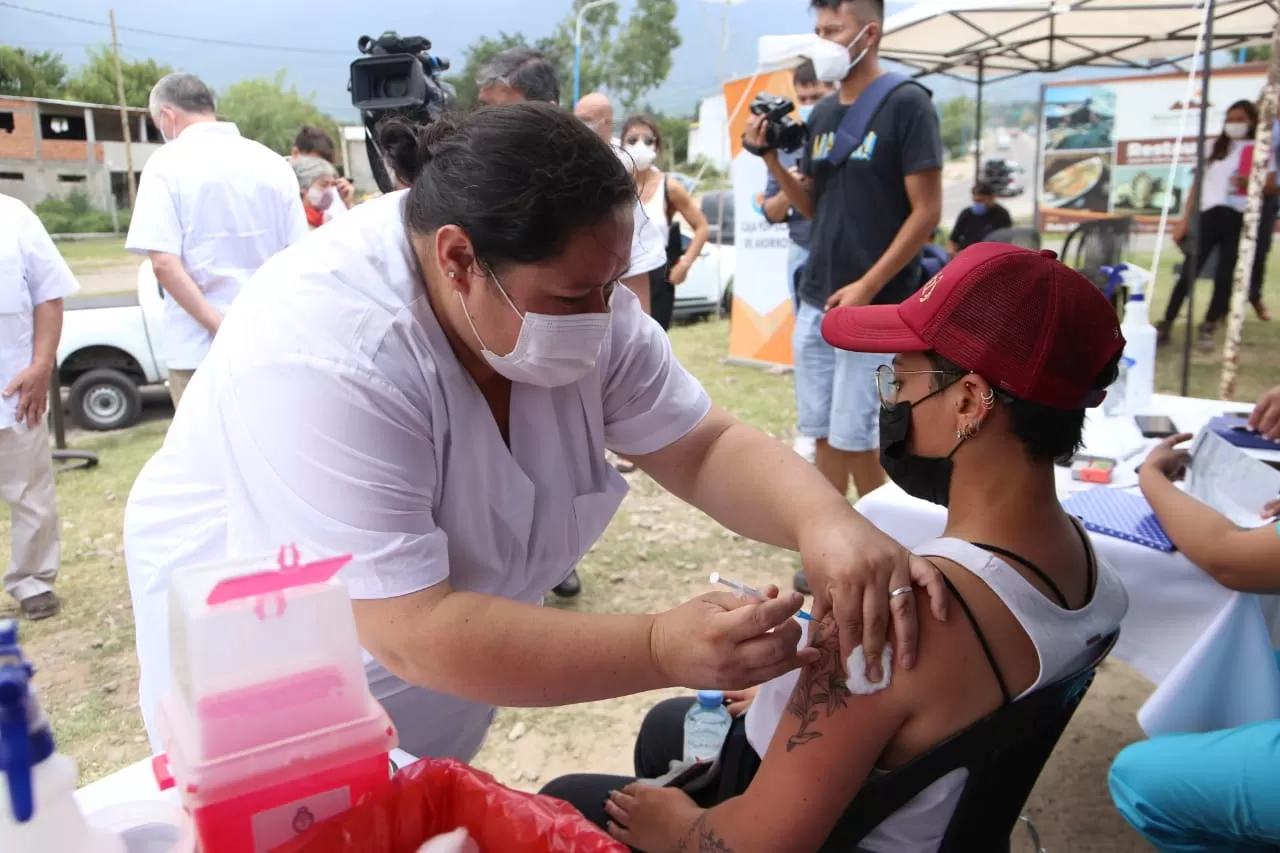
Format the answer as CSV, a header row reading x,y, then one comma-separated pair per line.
x,y
1122,514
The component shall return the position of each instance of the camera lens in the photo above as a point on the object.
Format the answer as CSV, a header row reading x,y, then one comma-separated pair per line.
x,y
394,87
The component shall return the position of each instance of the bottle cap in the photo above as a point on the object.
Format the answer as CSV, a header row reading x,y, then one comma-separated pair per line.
x,y
710,698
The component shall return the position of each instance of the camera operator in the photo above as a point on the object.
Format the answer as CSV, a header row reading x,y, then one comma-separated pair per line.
x,y
516,75
872,214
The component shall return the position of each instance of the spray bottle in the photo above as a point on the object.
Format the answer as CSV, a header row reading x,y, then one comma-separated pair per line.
x,y
38,811
1132,392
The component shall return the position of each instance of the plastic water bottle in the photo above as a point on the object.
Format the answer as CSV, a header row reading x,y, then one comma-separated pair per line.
x,y
706,726
38,810
1131,393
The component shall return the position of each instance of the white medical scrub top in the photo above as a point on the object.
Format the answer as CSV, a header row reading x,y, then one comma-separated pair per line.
x,y
224,204
332,412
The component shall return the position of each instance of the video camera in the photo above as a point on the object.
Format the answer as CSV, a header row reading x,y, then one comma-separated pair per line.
x,y
782,132
397,76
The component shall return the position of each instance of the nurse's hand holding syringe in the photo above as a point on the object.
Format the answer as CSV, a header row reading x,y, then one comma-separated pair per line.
x,y
747,592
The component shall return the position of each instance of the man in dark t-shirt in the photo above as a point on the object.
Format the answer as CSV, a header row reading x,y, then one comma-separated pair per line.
x,y
977,221
872,214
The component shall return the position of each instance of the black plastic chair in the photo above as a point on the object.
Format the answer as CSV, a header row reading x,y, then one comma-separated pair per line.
x,y
1096,244
1019,235
1004,753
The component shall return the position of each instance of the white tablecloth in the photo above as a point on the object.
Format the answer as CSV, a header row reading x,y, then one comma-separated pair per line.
x,y
1211,651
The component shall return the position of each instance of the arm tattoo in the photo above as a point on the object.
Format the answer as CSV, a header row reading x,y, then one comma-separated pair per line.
x,y
821,688
704,837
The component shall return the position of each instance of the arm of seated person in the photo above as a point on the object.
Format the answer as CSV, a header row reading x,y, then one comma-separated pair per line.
x,y
822,753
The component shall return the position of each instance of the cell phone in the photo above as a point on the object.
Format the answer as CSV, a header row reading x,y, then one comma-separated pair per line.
x,y
1155,426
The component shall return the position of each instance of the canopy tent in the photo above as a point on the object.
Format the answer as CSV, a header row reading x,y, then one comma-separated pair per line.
x,y
985,41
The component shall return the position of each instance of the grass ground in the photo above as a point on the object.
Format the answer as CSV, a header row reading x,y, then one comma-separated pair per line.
x,y
83,255
657,553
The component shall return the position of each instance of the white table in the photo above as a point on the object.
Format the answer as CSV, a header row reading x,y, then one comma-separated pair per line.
x,y
1211,651
138,782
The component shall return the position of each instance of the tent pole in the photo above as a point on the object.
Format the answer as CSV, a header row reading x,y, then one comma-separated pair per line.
x,y
1193,257
1041,138
977,127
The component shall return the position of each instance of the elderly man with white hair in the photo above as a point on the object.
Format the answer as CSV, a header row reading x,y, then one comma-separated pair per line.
x,y
316,179
212,208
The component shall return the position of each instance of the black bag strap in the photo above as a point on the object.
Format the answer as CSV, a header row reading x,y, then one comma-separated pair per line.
x,y
863,111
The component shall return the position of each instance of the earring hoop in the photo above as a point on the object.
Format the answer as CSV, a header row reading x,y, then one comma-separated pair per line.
x,y
989,400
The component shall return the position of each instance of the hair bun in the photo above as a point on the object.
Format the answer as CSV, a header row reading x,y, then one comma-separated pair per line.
x,y
410,146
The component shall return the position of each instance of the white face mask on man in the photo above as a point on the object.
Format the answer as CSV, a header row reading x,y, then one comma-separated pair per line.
x,y
319,198
831,62
552,350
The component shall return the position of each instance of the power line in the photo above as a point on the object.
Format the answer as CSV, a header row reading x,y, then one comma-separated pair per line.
x,y
200,39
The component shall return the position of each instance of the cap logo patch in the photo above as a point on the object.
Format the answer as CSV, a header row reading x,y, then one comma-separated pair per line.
x,y
927,290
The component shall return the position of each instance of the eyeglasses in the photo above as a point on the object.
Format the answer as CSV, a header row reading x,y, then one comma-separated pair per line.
x,y
632,140
888,386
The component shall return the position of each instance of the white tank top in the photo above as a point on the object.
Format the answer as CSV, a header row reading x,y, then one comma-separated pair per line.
x,y
1064,641
656,207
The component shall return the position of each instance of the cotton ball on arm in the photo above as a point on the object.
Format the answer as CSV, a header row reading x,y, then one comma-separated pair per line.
x,y
857,665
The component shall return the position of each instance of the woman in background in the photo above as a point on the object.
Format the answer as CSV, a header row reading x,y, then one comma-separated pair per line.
x,y
1216,792
662,198
1222,196
316,181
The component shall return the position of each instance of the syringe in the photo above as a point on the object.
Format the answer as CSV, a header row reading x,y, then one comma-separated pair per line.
x,y
746,591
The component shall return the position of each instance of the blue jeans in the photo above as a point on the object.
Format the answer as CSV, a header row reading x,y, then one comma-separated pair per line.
x,y
836,395
1203,793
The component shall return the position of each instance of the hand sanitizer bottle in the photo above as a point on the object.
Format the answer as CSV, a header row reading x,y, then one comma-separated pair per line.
x,y
706,726
1131,393
38,811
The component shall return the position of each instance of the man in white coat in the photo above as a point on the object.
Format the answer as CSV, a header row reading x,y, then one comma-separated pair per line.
x,y
33,281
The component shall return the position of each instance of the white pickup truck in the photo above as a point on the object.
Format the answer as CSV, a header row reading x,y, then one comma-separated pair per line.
x,y
111,347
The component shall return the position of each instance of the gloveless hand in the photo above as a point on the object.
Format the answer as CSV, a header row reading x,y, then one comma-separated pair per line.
x,y
1166,460
756,133
678,272
851,294
720,641
1265,417
852,567
31,386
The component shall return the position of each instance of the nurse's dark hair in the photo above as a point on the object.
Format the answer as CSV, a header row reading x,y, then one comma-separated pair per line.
x,y
1048,434
520,179
1222,144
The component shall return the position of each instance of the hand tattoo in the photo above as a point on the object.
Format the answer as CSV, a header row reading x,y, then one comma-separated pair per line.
x,y
705,837
821,686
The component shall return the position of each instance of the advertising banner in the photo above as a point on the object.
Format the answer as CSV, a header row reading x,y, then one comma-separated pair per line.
x,y
1107,145
761,324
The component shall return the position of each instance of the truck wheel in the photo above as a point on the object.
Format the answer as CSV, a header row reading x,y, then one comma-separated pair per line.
x,y
105,399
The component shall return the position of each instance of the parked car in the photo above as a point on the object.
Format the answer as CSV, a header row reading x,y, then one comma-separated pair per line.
x,y
707,291
110,348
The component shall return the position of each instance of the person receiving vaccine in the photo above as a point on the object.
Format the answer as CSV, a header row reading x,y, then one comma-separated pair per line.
x,y
429,384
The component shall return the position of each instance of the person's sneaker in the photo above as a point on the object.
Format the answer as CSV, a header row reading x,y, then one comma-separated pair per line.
x,y
42,606
570,588
1260,308
1204,340
806,447
802,583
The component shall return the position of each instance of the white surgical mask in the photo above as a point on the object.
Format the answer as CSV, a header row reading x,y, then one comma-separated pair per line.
x,y
318,198
644,155
803,112
831,62
1236,129
552,350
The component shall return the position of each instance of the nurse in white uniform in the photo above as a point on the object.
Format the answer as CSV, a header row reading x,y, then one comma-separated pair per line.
x,y
430,383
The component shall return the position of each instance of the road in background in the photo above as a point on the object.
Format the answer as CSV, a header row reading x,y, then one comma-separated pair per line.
x,y
958,178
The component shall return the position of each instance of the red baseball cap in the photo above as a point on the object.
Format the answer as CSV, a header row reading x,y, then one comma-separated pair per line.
x,y
1023,320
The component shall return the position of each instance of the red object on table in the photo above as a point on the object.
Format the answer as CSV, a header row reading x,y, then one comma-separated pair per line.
x,y
435,796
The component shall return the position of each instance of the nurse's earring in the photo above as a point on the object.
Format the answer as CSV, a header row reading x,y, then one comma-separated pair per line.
x,y
452,274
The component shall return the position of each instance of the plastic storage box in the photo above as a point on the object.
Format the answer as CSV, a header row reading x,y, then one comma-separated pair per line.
x,y
268,725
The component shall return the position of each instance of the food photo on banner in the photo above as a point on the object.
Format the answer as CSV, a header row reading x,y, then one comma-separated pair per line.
x,y
762,314
1108,144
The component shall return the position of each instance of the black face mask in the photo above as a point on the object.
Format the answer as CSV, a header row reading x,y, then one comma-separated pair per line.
x,y
925,477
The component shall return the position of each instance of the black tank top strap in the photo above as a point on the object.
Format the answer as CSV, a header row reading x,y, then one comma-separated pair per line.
x,y
1091,564
982,640
1053,587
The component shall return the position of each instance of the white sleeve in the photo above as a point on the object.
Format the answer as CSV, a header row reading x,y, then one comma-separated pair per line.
x,y
650,400
295,224
648,245
337,206
48,276
156,225
335,457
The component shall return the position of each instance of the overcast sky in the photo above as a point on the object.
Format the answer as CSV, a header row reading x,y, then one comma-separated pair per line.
x,y
334,25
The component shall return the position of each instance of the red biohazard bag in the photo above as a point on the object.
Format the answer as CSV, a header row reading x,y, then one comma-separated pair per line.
x,y
435,796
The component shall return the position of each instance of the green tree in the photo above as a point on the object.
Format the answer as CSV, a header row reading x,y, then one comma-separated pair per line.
x,y
32,74
1257,53
266,111
484,50
95,81
641,57
956,117
675,138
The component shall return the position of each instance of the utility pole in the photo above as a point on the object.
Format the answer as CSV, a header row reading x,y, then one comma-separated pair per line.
x,y
124,112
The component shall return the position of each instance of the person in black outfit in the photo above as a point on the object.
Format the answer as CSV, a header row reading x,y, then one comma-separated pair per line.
x,y
976,222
